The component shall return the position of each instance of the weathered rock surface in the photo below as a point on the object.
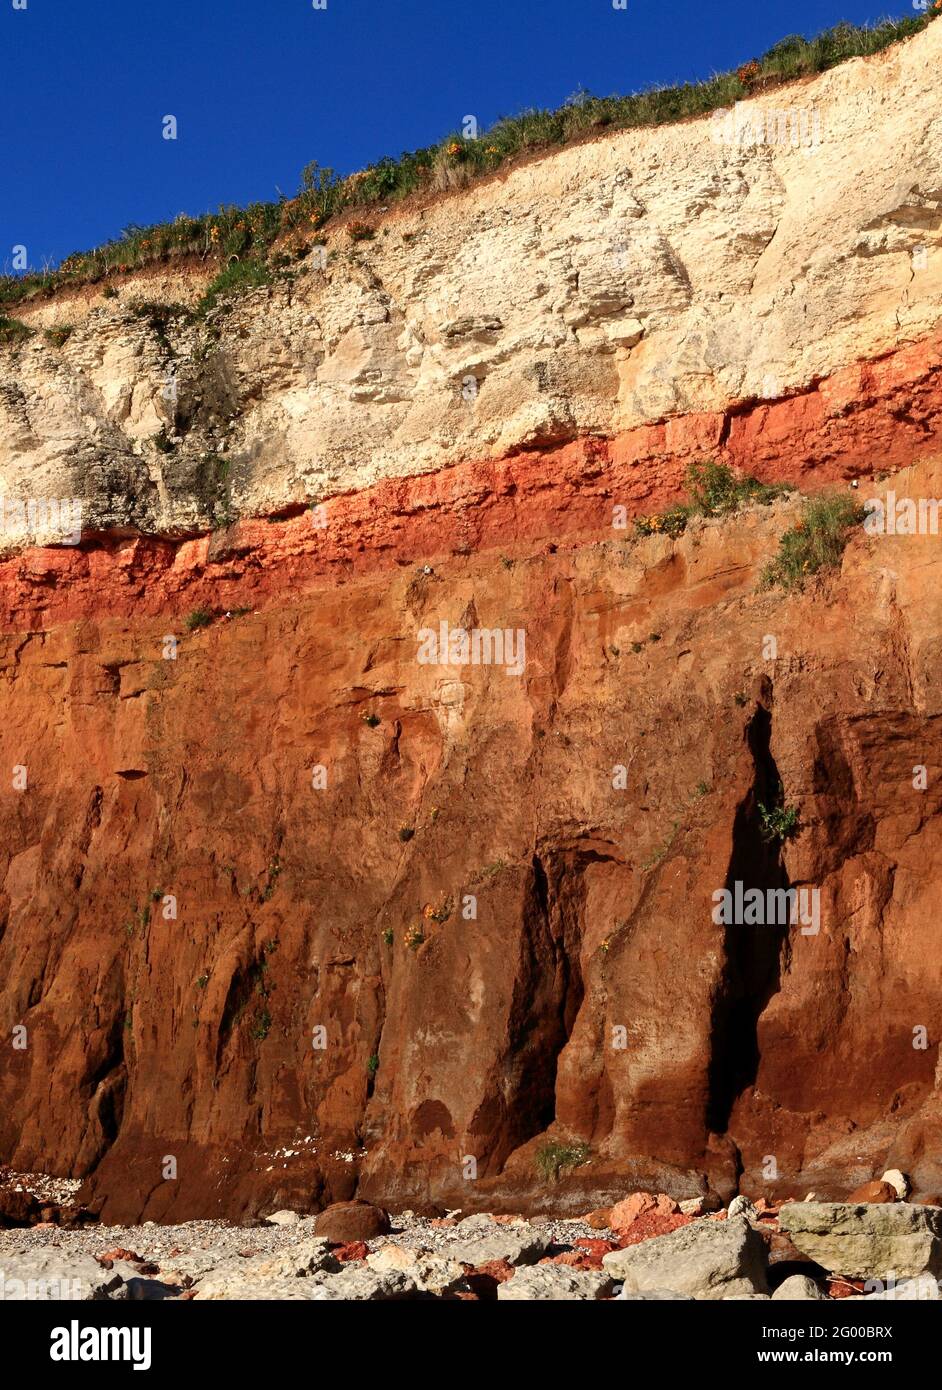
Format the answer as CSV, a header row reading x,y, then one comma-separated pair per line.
x,y
517,1248
706,1260
642,276
798,1287
237,841
871,1241
553,1282
51,1276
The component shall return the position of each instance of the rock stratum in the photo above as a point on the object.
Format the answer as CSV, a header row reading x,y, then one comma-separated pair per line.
x,y
467,400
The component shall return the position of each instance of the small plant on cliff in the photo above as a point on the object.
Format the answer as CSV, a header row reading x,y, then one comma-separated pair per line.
x,y
553,1156
12,331
261,1027
414,937
59,336
406,833
372,1066
389,936
360,231
274,869
714,490
370,720
239,275
200,617
815,543
779,822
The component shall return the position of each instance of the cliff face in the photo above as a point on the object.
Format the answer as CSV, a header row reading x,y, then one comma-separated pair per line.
x,y
428,912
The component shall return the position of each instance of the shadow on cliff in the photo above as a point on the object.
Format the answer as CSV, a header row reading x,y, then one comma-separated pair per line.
x,y
753,954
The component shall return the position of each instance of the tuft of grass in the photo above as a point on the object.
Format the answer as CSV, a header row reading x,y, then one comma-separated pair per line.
x,y
553,1156
714,490
238,275
200,617
815,543
372,1066
12,331
453,162
261,1025
59,336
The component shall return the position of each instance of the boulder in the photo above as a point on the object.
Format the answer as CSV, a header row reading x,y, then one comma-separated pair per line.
x,y
306,1258
899,1181
599,1220
348,1221
741,1206
52,1275
360,1284
707,1259
866,1241
522,1246
432,1272
924,1288
653,1296
18,1208
223,1287
623,1214
798,1288
880,1192
542,1283
283,1218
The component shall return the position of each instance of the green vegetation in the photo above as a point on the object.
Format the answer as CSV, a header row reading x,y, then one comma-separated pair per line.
x,y
261,1025
12,331
59,336
389,936
714,490
414,937
553,1156
778,823
454,162
238,275
372,1066
274,869
200,617
816,542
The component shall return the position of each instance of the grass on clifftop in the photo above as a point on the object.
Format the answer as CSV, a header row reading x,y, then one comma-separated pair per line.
x,y
452,163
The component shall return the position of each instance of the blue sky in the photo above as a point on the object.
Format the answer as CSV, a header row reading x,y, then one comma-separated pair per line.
x,y
260,87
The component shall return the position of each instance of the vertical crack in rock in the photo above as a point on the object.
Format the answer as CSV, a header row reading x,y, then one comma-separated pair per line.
x,y
753,953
